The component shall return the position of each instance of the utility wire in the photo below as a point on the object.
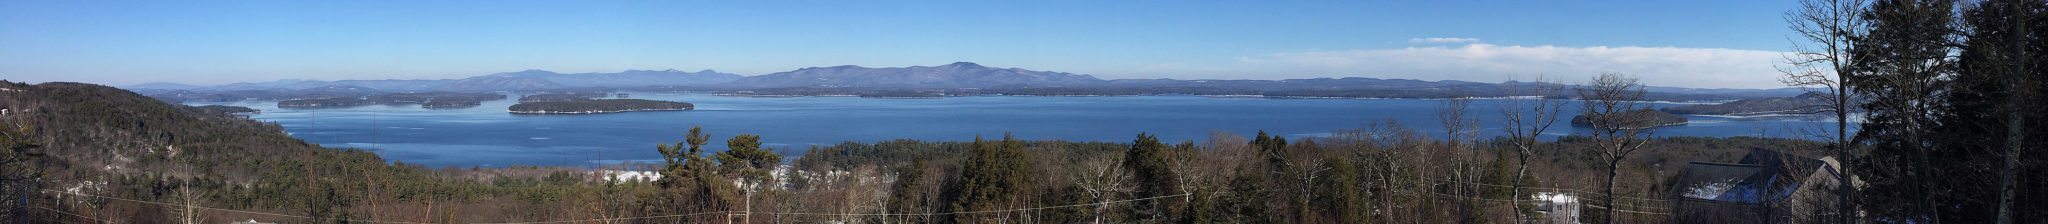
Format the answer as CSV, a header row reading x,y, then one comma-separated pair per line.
x,y
1555,189
643,217
613,219
220,209
971,212
74,215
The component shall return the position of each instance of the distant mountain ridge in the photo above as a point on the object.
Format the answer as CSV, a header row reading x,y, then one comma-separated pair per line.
x,y
955,75
959,78
628,78
506,81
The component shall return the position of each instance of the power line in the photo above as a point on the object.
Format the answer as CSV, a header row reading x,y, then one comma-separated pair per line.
x,y
613,219
975,212
220,209
647,217
1586,193
1584,204
1555,189
74,215
1627,211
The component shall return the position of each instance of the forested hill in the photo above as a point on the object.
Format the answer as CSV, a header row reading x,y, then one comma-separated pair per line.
x,y
99,140
99,129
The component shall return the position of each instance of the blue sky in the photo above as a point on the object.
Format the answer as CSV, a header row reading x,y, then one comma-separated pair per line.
x,y
1668,43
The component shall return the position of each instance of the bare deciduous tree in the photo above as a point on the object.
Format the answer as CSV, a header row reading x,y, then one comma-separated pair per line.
x,y
1611,104
188,205
1458,129
1102,177
1828,29
1530,111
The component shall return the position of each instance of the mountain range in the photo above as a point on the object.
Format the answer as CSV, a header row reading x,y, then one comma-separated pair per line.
x,y
527,80
955,75
949,79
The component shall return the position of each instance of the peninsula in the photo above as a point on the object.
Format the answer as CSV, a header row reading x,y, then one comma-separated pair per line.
x,y
596,106
1649,119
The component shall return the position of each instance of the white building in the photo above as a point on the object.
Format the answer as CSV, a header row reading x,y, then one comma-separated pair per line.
x,y
1557,207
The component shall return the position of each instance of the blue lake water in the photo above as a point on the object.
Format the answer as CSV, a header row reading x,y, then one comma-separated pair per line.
x,y
488,136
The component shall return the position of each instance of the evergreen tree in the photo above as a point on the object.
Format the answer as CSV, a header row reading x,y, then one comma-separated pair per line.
x,y
691,182
1990,105
18,171
744,159
992,177
1903,59
1146,160
1343,199
1274,149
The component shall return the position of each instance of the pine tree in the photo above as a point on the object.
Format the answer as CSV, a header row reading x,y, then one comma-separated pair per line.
x,y
744,159
993,176
1903,59
691,182
1146,160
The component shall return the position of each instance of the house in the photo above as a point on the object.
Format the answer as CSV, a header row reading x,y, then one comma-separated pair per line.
x,y
1557,207
1764,187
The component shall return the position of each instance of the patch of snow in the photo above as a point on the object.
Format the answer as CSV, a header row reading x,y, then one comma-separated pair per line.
x,y
1709,190
1556,198
629,175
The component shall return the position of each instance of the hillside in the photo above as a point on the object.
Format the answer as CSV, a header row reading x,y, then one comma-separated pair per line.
x,y
108,142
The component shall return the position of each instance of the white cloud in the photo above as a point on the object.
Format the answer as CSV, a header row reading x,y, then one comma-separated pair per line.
x,y
1658,66
1442,40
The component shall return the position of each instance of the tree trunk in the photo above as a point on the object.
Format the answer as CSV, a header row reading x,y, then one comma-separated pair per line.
x,y
1924,174
1610,191
1515,194
2013,136
2015,130
1843,206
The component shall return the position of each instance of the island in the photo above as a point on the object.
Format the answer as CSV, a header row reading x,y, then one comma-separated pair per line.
x,y
225,109
597,106
438,99
1803,104
450,103
1654,119
318,103
425,100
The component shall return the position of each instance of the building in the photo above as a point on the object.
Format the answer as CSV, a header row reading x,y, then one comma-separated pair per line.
x,y
1557,207
1764,187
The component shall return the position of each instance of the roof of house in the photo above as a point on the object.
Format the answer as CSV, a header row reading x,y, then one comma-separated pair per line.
x,y
1761,175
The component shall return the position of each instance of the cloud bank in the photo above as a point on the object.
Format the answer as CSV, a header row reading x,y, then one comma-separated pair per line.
x,y
1658,66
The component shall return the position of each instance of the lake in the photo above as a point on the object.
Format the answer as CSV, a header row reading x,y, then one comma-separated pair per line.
x,y
488,136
